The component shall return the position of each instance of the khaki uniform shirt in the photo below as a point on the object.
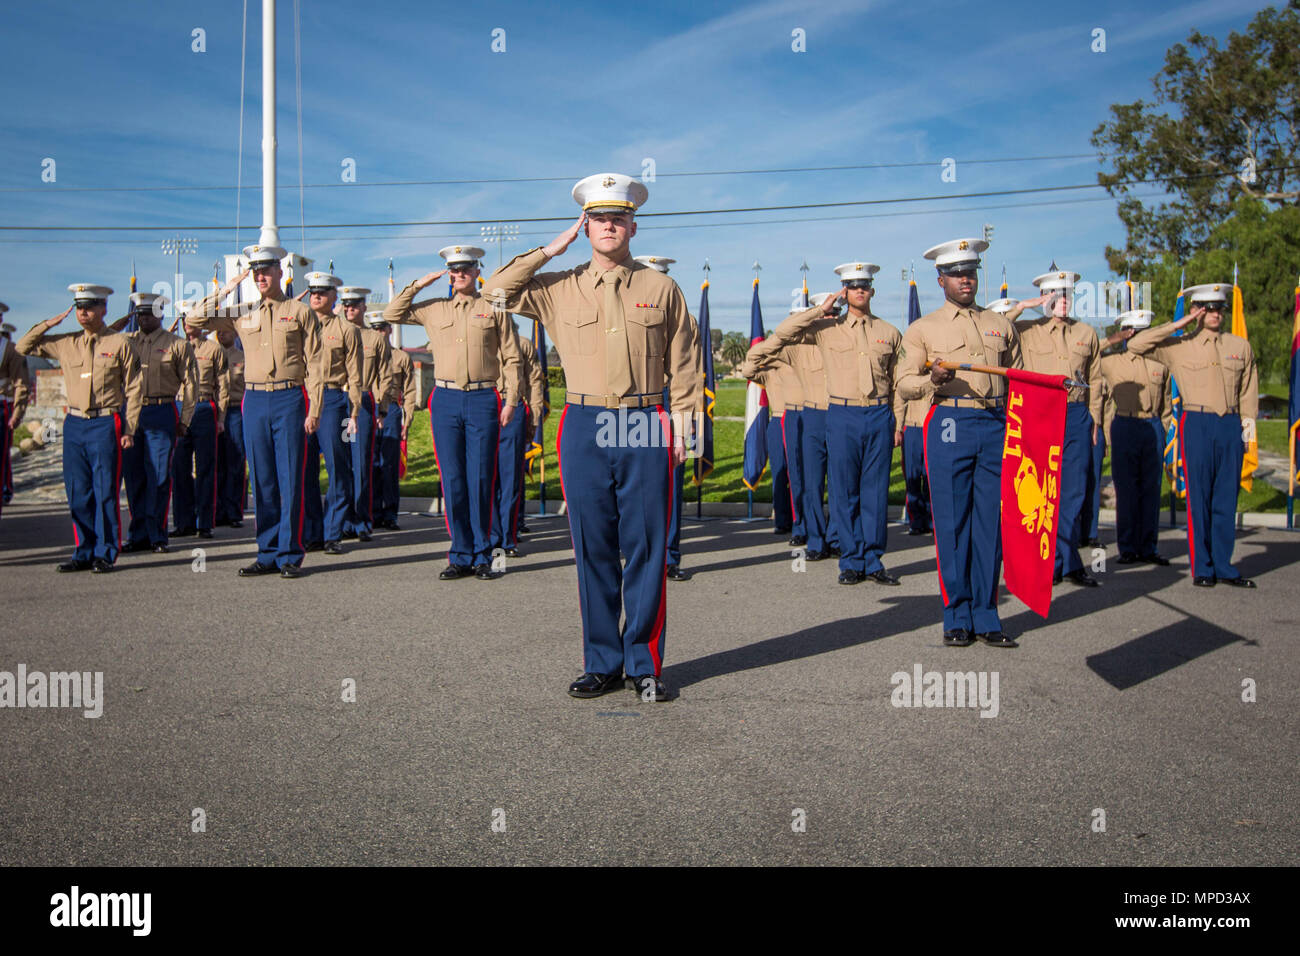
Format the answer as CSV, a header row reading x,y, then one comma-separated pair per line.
x,y
804,361
470,341
281,339
571,306
858,352
376,366
1215,371
1139,387
13,377
954,334
235,376
99,371
909,414
210,359
401,385
1068,348
532,385
168,367
342,360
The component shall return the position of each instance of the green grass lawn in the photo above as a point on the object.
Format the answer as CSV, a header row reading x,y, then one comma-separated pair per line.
x,y
724,484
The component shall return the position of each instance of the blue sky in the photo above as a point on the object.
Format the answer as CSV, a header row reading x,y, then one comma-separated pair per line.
x,y
412,91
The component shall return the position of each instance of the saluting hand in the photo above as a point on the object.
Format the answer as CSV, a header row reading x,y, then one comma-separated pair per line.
x,y
832,305
58,318
303,296
427,280
1196,312
561,243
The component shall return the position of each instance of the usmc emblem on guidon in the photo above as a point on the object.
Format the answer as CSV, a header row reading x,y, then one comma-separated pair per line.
x,y
1031,496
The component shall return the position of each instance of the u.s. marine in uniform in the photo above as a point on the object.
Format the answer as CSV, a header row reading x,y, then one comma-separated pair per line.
x,y
621,330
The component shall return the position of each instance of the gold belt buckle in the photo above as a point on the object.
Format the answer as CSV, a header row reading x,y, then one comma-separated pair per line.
x,y
612,401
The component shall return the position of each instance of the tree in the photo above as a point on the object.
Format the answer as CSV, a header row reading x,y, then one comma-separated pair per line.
x,y
734,347
715,340
1225,124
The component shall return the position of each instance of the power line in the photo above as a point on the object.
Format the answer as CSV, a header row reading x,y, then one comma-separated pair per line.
x,y
546,179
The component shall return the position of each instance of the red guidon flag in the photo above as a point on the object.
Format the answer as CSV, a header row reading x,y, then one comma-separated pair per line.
x,y
1031,484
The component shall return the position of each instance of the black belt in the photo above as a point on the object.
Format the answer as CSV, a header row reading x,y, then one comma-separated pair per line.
x,y
271,386
615,401
1139,418
160,400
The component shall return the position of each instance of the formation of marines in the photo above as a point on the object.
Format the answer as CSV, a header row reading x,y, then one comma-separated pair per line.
x,y
189,419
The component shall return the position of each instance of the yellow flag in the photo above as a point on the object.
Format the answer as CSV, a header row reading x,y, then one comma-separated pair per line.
x,y
1249,461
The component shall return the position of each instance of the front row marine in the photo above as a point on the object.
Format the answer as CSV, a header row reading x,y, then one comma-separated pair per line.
x,y
1219,384
101,374
168,368
14,391
859,351
622,333
964,433
474,346
282,401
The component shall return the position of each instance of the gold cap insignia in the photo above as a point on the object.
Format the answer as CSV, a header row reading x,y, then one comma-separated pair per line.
x,y
1060,275
963,245
457,249
81,288
607,181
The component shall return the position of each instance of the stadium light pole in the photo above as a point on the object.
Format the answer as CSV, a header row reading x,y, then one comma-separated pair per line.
x,y
178,245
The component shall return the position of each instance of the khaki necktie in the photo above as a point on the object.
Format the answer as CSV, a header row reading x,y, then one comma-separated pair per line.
x,y
618,366
866,377
462,353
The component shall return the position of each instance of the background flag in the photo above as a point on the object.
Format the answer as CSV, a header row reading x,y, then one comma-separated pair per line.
x,y
914,300
1250,460
1002,292
755,408
397,329
288,282
131,324
1293,414
1173,461
537,448
704,454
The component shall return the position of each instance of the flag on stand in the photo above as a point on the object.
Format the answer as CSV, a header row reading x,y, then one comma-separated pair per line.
x,y
288,282
131,324
704,452
538,446
1002,292
1293,413
1250,460
1173,461
397,329
914,300
1031,484
755,408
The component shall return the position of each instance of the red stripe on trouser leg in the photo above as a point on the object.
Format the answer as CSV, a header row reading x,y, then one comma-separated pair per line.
x,y
661,613
117,476
216,474
1187,488
789,485
302,483
496,460
925,452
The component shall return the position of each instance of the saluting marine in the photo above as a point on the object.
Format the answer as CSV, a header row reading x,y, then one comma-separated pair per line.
x,y
168,370
622,332
194,501
1140,390
473,348
376,373
1219,384
282,401
396,427
102,375
859,351
965,430
1059,345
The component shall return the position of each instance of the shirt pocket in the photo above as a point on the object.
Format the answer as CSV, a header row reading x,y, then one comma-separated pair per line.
x,y
106,379
581,329
841,349
1080,359
1234,369
287,342
647,332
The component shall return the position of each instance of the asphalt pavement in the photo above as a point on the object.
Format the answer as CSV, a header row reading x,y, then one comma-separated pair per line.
x,y
1119,733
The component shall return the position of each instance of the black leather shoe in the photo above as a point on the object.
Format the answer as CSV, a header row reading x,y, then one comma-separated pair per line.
x,y
798,541
513,553
484,572
291,571
1203,582
834,552
883,577
100,566
74,565
1239,582
817,555
365,536
650,688
256,569
958,638
332,547
350,535
1155,558
852,577
675,573
313,546
780,530
1093,543
131,547
205,533
1083,579
454,571
917,532
184,533
1128,558
520,529
236,523
595,685
1056,578
996,639
161,549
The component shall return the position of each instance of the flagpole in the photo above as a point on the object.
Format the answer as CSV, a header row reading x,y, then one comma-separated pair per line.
x,y
699,440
